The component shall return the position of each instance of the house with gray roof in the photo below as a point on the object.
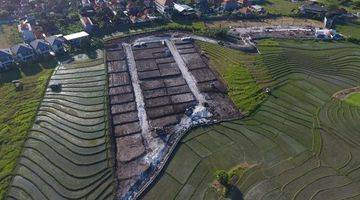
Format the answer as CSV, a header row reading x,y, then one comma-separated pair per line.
x,y
56,44
6,59
313,9
41,47
23,52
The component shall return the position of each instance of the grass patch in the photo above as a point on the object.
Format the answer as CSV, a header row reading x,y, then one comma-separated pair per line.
x,y
353,99
350,29
282,7
233,67
18,110
9,36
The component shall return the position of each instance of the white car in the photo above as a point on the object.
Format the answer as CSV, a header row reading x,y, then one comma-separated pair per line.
x,y
139,44
186,39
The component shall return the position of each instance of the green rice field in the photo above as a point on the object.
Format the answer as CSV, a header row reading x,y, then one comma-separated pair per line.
x,y
301,143
18,110
66,154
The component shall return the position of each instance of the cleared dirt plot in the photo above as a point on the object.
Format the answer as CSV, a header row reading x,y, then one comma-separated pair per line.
x,y
148,100
67,153
303,144
208,81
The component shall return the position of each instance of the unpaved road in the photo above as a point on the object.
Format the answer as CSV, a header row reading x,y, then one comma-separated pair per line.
x,y
185,72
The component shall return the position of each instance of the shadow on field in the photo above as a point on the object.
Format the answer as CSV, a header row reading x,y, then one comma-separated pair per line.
x,y
10,75
30,69
92,54
235,193
17,72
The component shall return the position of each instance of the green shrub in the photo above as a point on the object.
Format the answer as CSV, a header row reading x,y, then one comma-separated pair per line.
x,y
223,177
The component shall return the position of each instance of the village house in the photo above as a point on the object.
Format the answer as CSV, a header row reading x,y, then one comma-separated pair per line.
x,y
327,34
164,6
56,44
313,9
184,10
6,59
26,32
87,24
244,3
76,38
202,5
230,5
23,52
41,47
258,9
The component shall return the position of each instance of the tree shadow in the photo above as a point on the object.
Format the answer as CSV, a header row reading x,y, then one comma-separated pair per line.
x,y
92,54
27,69
30,69
235,193
7,76
49,63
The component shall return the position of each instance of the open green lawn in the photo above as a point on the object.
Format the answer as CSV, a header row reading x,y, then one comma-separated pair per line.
x,y
349,29
17,114
353,99
303,144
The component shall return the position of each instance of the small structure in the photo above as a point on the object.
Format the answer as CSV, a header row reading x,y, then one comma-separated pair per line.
x,y
245,3
327,34
184,10
56,44
26,31
202,5
258,9
86,3
41,47
18,85
245,11
23,52
230,5
313,9
164,6
6,59
55,86
87,24
76,38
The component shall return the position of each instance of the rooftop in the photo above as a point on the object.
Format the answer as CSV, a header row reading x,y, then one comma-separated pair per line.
x,y
75,36
182,7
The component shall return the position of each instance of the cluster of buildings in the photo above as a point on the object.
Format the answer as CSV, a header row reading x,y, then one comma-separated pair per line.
x,y
210,7
132,11
27,52
317,10
38,48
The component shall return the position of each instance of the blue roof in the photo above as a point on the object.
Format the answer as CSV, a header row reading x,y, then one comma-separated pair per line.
x,y
21,48
39,44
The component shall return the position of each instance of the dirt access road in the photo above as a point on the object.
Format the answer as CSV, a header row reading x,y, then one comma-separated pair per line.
x,y
281,21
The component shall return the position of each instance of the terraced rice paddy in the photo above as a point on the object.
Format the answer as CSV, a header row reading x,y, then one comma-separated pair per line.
x,y
66,155
18,110
234,67
304,144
